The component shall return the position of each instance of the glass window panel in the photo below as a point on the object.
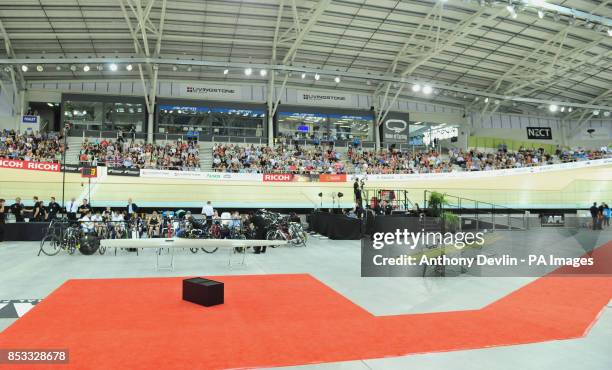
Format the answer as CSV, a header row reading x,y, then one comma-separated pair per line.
x,y
348,127
105,116
301,125
84,114
211,121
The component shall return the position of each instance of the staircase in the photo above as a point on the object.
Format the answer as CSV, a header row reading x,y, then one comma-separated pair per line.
x,y
205,155
74,147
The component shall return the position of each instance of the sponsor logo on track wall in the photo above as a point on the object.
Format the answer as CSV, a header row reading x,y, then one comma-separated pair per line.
x,y
324,99
332,177
28,165
207,91
541,133
395,128
123,172
196,175
278,177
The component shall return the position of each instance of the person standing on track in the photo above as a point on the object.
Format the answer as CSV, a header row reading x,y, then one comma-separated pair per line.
x,y
208,211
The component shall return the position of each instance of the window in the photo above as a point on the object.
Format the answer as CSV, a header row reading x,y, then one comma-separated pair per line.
x,y
105,116
175,119
300,125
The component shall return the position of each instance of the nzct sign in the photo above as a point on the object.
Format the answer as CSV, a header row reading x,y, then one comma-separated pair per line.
x,y
541,133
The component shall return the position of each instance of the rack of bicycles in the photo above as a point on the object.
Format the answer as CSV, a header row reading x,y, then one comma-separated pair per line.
x,y
85,235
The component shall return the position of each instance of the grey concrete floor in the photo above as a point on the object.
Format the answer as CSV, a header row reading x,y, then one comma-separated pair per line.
x,y
23,275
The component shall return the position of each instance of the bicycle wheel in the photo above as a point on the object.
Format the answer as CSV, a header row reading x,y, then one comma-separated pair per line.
x,y
276,235
194,250
50,246
71,246
102,250
210,249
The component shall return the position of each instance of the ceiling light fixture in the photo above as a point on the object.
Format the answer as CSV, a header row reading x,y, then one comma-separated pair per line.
x,y
128,67
596,113
540,14
486,100
248,71
416,88
58,68
174,68
337,79
562,109
86,68
303,76
570,109
39,68
427,90
189,69
317,76
553,108
263,73
225,71
113,67
73,68
24,68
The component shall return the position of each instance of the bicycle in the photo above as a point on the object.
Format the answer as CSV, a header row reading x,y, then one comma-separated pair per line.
x,y
60,235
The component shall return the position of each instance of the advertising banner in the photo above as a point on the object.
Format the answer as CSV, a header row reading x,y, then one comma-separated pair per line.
x,y
71,168
208,91
552,220
29,119
539,133
395,128
333,99
332,177
118,171
196,175
28,165
278,177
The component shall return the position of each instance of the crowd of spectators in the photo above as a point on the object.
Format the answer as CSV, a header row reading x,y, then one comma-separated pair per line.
x,y
30,146
282,158
178,155
581,154
315,160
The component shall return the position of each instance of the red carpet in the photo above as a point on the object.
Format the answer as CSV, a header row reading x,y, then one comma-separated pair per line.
x,y
281,320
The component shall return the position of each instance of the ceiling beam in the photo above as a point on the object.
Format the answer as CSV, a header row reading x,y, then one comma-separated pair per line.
x,y
319,8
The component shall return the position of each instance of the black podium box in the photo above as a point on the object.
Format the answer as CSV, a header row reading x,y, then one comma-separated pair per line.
x,y
202,291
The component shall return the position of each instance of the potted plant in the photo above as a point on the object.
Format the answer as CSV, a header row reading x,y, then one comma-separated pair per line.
x,y
436,201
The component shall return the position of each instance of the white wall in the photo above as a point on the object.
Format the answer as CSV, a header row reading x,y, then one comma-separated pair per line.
x,y
578,136
8,119
511,126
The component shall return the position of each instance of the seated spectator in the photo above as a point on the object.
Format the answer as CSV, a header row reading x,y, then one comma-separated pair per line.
x,y
30,146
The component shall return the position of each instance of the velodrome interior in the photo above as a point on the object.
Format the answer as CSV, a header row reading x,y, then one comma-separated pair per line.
x,y
310,127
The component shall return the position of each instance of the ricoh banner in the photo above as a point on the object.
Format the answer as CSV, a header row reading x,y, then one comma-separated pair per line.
x,y
213,92
395,128
317,98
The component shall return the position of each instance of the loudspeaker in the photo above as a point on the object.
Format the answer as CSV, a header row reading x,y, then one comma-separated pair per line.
x,y
202,291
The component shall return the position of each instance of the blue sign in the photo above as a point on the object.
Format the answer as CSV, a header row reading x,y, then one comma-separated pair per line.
x,y
29,119
303,128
